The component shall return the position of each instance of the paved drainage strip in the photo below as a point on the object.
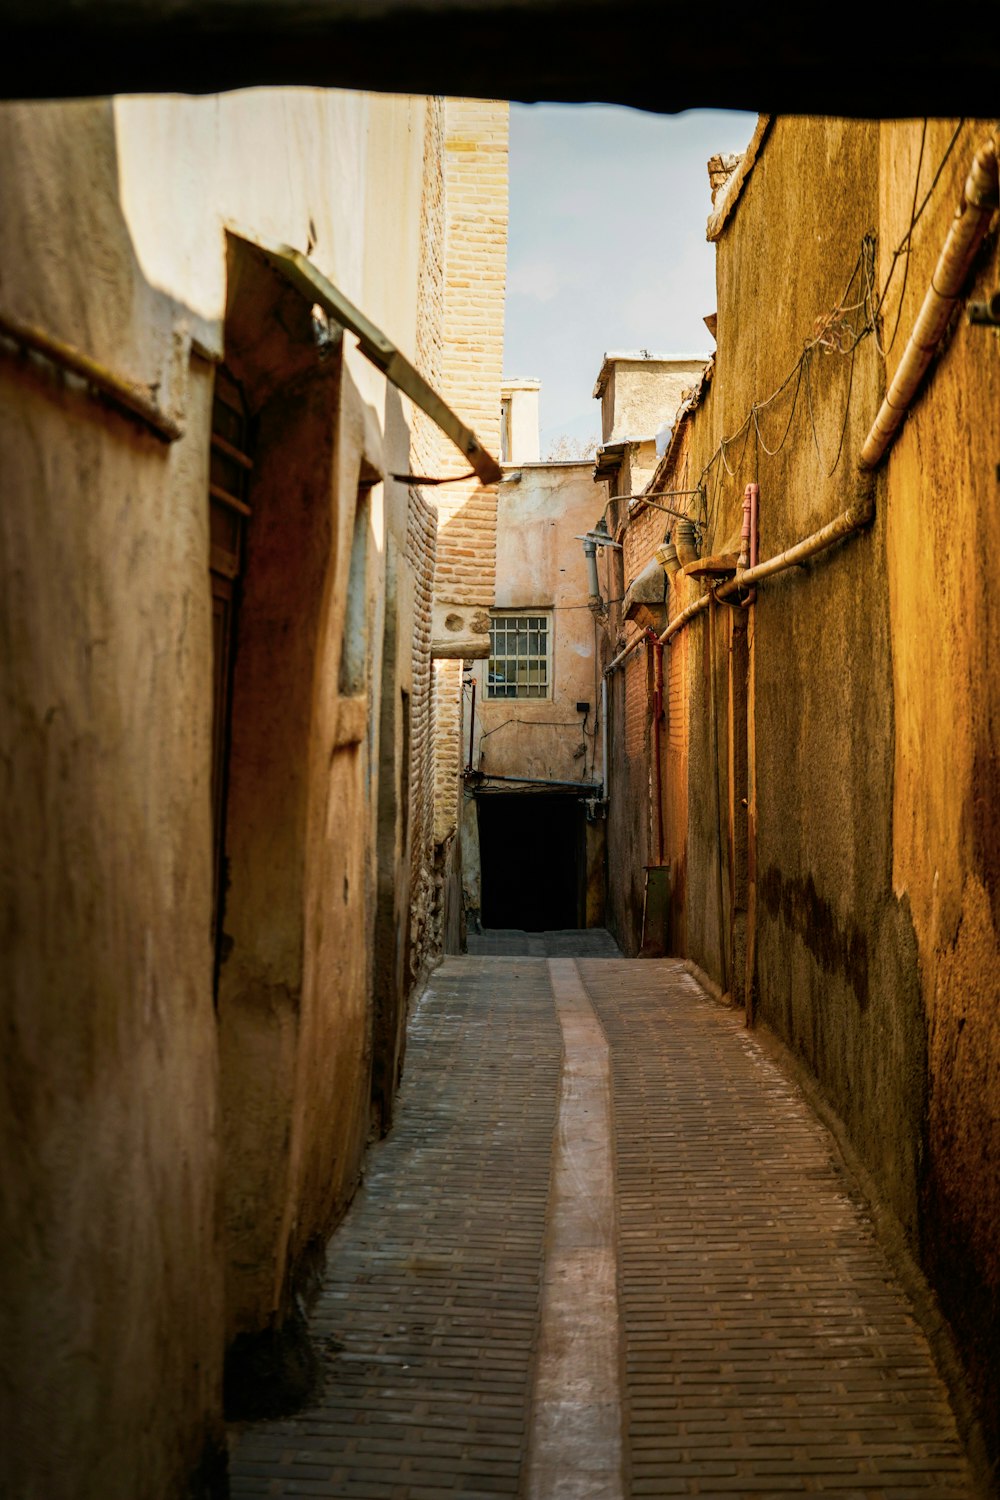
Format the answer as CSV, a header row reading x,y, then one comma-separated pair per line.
x,y
575,1440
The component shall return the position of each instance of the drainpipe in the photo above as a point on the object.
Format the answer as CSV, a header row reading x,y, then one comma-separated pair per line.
x,y
855,518
590,553
967,232
717,799
472,724
627,651
653,642
748,538
604,738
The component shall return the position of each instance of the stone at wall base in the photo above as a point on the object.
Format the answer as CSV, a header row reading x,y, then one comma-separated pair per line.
x,y
210,1481
709,985
271,1373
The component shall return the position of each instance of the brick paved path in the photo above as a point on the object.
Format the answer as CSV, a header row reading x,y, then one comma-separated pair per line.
x,y
767,1349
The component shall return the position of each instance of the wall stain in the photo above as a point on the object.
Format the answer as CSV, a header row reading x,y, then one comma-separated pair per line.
x,y
839,947
986,819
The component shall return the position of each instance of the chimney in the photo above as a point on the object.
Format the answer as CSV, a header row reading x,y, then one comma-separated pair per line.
x,y
720,169
519,421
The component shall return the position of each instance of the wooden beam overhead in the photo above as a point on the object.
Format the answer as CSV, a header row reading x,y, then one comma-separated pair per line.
x,y
661,57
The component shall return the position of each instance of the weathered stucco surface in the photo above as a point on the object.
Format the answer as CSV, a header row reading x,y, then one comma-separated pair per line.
x,y
110,1122
943,527
171,1170
872,689
542,508
540,565
638,394
835,946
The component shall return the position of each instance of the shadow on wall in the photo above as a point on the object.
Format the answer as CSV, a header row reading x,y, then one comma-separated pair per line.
x,y
112,1280
129,1100
293,998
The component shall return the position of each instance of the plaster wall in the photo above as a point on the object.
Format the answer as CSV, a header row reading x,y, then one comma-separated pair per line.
x,y
836,958
124,1247
519,436
540,565
638,395
942,529
872,690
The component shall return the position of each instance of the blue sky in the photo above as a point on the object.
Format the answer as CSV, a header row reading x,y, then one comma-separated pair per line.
x,y
607,244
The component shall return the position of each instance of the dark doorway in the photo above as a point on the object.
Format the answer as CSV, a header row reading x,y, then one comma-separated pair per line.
x,y
532,854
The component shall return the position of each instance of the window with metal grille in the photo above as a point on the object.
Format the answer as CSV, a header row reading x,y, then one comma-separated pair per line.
x,y
519,656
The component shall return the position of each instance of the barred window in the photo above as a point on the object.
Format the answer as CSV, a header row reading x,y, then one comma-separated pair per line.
x,y
519,656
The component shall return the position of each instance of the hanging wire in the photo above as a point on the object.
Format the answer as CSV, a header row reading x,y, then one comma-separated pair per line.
x,y
835,333
905,253
903,248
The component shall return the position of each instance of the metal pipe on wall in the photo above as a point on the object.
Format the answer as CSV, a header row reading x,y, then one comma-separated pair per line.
x,y
717,799
855,518
604,739
590,553
657,650
617,661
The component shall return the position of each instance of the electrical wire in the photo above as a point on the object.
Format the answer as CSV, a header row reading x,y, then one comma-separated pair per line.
x,y
834,333
548,723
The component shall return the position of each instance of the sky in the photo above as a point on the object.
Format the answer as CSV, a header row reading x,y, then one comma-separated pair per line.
x,y
607,245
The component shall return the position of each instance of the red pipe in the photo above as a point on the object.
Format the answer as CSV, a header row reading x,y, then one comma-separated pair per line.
x,y
654,640
748,536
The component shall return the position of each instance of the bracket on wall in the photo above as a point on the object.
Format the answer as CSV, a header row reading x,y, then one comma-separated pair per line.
x,y
299,271
986,313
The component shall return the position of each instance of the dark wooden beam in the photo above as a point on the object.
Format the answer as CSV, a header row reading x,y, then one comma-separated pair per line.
x,y
880,61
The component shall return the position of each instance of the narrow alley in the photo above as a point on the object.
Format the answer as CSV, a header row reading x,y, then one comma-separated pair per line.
x,y
569,1125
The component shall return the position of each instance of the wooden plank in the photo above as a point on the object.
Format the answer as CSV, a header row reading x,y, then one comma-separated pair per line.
x,y
233,502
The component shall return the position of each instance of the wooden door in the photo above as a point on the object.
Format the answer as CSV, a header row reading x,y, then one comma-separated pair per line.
x,y
229,484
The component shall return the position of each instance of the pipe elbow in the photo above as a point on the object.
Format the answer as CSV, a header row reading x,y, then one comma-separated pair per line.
x,y
982,186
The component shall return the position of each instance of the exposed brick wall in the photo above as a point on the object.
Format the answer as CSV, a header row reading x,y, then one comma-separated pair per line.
x,y
677,687
428,443
421,543
448,748
462,283
641,538
475,278
633,828
421,538
636,708
472,218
